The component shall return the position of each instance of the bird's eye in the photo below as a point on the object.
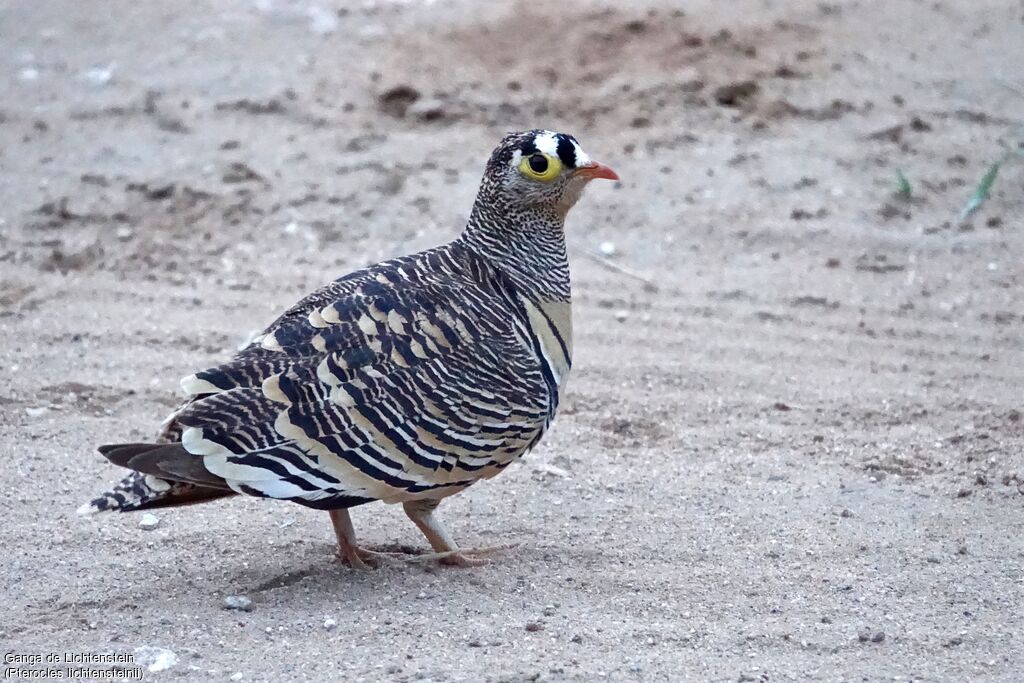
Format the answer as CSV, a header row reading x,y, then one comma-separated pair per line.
x,y
539,166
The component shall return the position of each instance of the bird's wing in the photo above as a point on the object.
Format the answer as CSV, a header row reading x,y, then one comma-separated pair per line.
x,y
410,379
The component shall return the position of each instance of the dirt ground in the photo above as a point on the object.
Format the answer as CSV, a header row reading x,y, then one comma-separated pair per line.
x,y
797,452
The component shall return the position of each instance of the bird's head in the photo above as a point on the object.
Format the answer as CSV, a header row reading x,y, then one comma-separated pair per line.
x,y
542,169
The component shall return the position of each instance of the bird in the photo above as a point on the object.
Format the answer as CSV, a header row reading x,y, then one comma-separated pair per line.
x,y
404,382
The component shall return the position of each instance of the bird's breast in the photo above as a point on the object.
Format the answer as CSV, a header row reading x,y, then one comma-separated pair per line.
x,y
550,326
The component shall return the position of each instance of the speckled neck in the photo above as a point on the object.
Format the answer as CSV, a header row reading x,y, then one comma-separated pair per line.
x,y
528,245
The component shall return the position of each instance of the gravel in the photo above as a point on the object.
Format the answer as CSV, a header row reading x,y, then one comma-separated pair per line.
x,y
687,529
148,521
238,602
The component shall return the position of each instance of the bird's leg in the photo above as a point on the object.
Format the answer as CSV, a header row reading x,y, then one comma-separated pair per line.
x,y
421,512
348,549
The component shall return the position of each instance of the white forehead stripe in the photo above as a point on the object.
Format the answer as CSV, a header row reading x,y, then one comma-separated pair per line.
x,y
547,142
581,157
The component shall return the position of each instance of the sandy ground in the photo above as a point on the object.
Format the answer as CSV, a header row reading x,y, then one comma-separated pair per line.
x,y
798,455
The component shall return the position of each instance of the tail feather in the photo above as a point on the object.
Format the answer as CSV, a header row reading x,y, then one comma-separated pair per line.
x,y
164,475
166,460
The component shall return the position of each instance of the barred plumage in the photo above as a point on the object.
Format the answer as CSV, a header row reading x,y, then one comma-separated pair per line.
x,y
403,382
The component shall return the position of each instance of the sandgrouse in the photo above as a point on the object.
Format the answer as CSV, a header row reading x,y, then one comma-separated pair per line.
x,y
406,381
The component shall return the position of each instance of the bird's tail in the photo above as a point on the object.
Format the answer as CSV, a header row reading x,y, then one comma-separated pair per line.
x,y
139,491
144,488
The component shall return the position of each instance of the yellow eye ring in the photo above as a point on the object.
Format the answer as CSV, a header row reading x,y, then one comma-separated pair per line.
x,y
540,166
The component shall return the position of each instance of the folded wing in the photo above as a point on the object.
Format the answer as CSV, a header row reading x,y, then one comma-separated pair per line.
x,y
410,379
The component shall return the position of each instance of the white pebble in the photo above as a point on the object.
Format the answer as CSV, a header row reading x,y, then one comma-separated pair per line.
x,y
621,315
28,74
237,676
608,248
330,623
155,658
149,522
238,602
100,75
322,22
553,470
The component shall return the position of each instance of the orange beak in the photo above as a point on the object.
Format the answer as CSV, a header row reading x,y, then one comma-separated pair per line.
x,y
596,170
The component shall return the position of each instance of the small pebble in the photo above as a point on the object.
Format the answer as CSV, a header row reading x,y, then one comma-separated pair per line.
x,y
238,602
149,522
865,635
237,676
553,470
322,22
533,627
330,623
607,248
101,75
155,658
427,110
621,315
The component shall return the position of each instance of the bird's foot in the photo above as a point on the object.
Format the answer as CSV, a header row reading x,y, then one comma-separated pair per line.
x,y
459,558
352,556
364,558
469,557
